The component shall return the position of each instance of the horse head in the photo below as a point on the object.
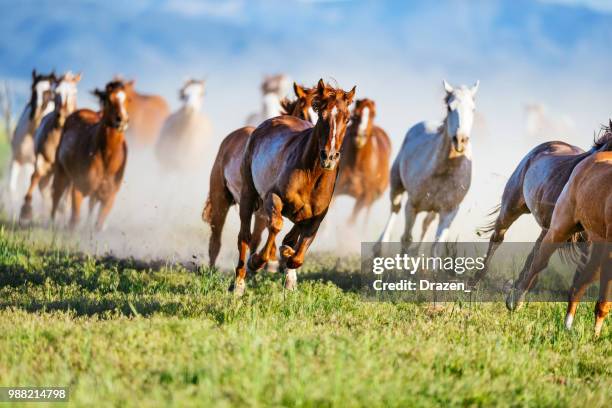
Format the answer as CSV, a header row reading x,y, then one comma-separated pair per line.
x,y
332,107
301,107
42,91
115,102
363,118
460,108
192,93
66,91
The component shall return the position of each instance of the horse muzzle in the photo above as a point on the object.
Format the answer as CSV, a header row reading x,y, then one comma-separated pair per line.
x,y
459,144
329,161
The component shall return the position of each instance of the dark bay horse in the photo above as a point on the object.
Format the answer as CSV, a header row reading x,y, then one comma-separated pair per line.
x,y
585,204
47,138
147,116
533,188
226,180
92,154
289,169
366,153
22,142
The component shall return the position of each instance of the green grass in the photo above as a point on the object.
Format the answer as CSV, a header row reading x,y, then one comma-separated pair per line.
x,y
120,332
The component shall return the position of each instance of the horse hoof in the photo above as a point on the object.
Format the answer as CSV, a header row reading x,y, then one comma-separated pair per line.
x,y
291,279
569,320
514,302
25,215
272,266
238,287
286,251
254,263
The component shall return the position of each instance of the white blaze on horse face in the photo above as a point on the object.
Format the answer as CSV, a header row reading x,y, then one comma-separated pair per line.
x,y
333,126
313,115
365,119
193,94
121,98
461,115
67,91
40,89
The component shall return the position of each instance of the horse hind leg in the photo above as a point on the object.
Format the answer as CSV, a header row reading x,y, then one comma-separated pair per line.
x,y
507,216
586,273
603,305
220,205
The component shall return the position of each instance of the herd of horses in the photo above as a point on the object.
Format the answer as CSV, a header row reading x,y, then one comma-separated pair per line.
x,y
296,155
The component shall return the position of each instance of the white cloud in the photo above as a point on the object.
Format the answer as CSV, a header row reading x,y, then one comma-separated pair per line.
x,y
597,5
232,9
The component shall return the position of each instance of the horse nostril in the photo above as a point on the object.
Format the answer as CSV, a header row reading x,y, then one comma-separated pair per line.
x,y
336,155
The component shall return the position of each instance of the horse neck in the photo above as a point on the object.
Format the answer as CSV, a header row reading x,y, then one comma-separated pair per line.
x,y
350,151
108,139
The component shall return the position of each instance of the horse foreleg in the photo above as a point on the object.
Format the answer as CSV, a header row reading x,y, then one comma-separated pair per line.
x,y
549,245
294,258
586,274
395,195
359,204
26,209
77,198
273,207
446,219
603,305
60,183
105,206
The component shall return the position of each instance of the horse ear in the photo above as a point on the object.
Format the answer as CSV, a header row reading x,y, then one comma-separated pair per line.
x,y
320,86
474,88
100,94
610,124
447,87
348,97
299,91
77,77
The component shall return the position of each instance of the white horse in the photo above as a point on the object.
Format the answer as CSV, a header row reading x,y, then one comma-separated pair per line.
x,y
22,143
434,166
273,88
185,135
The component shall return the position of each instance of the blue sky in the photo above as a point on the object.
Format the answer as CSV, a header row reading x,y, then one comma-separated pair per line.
x,y
556,52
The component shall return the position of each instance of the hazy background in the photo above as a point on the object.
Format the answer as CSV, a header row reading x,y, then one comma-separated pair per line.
x,y
555,53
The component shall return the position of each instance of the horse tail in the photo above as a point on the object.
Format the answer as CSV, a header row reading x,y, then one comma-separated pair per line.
x,y
207,211
489,227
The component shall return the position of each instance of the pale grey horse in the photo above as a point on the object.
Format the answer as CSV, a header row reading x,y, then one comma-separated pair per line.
x,y
434,166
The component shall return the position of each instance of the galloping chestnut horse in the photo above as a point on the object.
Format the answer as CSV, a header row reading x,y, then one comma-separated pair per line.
x,y
301,106
47,138
226,180
147,115
92,154
364,167
289,169
585,204
22,142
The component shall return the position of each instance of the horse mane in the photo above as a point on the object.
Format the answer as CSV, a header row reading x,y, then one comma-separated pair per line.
x,y
603,142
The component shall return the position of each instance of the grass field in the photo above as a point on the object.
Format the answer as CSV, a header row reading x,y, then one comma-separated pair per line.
x,y
120,332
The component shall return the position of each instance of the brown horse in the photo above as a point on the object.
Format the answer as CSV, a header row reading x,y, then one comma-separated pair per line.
x,y
147,116
289,169
47,138
22,142
364,168
92,154
585,204
533,188
301,106
226,180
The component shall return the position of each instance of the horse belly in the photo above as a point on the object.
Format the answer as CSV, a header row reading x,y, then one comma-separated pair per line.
x,y
266,162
